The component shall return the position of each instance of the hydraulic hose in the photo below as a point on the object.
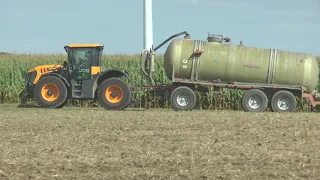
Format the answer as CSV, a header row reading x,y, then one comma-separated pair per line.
x,y
173,36
142,65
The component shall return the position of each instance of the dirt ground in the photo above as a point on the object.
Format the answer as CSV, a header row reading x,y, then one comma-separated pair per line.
x,y
78,143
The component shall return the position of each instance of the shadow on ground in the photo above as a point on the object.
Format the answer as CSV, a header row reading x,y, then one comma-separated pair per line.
x,y
31,106
28,106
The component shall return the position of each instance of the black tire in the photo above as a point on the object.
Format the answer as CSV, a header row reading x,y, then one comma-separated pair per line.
x,y
183,91
43,100
123,88
288,99
63,104
259,95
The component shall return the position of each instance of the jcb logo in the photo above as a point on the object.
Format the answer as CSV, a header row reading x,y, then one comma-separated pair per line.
x,y
84,70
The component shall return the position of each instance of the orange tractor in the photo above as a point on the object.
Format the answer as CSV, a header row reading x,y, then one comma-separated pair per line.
x,y
79,78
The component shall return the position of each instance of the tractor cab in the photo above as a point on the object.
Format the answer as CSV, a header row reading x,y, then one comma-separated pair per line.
x,y
84,60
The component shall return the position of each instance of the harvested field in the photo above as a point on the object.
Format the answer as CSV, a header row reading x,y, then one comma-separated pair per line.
x,y
79,143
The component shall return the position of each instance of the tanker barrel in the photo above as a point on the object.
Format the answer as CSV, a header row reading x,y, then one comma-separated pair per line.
x,y
234,63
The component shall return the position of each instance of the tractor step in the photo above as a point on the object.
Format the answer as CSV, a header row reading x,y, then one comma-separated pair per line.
x,y
77,89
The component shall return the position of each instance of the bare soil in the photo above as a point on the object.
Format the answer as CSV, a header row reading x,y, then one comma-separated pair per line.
x,y
79,143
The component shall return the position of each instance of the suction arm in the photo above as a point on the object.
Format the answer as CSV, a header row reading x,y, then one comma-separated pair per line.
x,y
147,63
144,64
187,36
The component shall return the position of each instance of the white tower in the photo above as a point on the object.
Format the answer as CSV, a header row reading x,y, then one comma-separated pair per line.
x,y
148,25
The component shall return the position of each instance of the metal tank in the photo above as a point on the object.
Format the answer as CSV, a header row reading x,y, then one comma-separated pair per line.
x,y
218,62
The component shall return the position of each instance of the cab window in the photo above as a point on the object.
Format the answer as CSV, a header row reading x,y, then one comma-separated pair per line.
x,y
81,57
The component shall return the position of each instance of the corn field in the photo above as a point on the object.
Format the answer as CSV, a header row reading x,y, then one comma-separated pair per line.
x,y
13,67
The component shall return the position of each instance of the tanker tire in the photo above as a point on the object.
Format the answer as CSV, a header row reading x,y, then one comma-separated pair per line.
x,y
179,92
126,94
254,93
62,97
286,96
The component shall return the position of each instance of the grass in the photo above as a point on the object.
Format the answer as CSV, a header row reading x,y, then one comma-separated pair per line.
x,y
13,66
91,143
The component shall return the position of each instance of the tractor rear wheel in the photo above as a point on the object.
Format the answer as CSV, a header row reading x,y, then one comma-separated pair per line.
x,y
50,92
114,94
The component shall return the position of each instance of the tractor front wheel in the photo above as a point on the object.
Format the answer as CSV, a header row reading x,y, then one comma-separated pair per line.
x,y
51,92
114,94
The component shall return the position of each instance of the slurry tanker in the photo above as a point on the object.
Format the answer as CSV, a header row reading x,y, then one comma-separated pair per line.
x,y
271,77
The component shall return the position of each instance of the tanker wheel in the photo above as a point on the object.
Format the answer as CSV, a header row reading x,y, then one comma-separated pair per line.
x,y
283,101
50,92
183,99
114,94
254,100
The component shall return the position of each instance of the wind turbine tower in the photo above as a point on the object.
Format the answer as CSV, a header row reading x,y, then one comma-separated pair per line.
x,y
147,25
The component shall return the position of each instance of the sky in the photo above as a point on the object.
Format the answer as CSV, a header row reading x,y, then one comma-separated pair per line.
x,y
46,26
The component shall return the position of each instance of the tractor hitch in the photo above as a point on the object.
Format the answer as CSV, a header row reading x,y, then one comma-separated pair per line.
x,y
27,91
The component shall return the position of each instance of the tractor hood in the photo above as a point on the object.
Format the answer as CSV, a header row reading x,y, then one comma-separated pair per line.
x,y
46,68
35,73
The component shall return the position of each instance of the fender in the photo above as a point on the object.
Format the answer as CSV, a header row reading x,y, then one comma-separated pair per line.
x,y
31,78
37,72
59,76
112,73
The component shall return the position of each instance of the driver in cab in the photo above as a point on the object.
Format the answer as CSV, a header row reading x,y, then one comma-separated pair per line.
x,y
84,59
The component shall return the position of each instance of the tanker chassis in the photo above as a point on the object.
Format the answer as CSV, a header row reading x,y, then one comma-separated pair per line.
x,y
272,78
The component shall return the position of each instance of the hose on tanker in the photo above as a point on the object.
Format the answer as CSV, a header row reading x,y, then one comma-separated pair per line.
x,y
146,60
143,62
187,36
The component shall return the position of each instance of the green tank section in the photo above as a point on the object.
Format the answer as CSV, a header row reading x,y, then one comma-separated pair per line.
x,y
221,62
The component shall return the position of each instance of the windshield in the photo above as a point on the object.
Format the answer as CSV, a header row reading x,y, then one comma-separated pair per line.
x,y
81,57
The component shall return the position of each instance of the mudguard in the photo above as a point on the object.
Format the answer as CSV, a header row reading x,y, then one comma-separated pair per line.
x,y
112,73
57,75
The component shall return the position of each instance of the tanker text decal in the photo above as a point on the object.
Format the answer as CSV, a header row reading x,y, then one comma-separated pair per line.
x,y
251,64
